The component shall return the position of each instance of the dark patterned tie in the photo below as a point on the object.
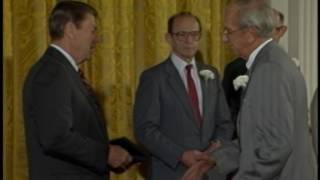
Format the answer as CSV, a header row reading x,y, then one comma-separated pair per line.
x,y
92,94
193,96
86,83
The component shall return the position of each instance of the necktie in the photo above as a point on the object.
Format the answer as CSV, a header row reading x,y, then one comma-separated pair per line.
x,y
91,92
86,83
193,96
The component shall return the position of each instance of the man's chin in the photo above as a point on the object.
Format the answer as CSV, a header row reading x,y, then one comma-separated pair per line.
x,y
236,52
190,55
89,56
85,59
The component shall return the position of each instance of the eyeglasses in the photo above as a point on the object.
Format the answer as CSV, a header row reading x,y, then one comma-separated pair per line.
x,y
228,32
183,35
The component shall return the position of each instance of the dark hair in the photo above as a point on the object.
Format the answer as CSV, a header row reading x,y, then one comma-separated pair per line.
x,y
181,14
68,11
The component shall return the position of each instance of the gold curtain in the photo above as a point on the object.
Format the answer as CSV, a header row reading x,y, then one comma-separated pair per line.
x,y
133,40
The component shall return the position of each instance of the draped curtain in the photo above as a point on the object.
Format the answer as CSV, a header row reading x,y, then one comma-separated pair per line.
x,y
133,40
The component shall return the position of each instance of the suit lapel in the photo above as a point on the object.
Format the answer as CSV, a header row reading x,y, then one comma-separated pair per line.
x,y
176,83
78,82
206,101
260,56
258,59
204,92
244,90
92,100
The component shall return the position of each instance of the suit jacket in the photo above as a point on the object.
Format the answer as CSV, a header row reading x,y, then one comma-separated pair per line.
x,y
314,121
234,69
165,124
274,142
65,131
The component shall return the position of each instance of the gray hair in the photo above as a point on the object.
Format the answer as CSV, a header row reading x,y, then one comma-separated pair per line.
x,y
279,17
258,14
251,2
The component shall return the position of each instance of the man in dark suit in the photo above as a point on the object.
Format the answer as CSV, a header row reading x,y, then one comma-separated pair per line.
x,y
180,106
65,129
274,142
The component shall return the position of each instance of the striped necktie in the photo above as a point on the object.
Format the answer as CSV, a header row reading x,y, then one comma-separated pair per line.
x,y
193,95
86,82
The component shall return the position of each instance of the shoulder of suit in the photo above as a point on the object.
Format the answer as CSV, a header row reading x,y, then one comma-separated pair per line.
x,y
48,71
157,69
209,67
276,55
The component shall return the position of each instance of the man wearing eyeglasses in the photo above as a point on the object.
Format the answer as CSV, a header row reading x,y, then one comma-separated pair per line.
x,y
180,112
274,142
238,67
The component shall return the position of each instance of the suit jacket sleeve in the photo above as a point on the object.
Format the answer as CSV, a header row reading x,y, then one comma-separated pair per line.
x,y
227,83
227,157
266,123
147,122
54,122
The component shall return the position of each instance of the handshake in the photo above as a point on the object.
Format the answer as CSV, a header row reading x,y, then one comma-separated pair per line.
x,y
123,153
198,162
118,157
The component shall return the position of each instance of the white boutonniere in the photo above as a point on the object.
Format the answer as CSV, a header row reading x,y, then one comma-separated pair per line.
x,y
240,81
207,74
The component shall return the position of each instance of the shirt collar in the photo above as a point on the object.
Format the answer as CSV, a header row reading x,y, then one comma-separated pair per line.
x,y
67,55
253,55
180,64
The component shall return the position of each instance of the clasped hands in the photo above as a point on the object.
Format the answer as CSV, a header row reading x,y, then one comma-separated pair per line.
x,y
118,157
198,162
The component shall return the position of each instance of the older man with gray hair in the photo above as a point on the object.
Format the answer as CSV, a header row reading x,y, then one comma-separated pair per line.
x,y
273,143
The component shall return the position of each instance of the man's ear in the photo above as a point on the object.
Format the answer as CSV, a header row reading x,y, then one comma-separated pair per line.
x,y
69,30
252,34
283,30
168,38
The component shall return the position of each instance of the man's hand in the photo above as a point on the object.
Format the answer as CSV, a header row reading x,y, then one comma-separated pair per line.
x,y
214,145
190,157
196,171
118,157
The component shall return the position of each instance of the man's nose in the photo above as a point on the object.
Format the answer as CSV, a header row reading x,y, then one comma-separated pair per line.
x,y
189,38
225,39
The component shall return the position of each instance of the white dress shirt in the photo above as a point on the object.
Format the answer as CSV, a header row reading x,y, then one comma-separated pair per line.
x,y
180,64
67,55
254,53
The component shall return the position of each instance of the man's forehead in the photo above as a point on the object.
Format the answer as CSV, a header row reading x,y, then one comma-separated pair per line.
x,y
186,22
231,17
185,18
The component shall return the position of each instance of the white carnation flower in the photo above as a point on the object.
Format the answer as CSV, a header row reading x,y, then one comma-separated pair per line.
x,y
240,81
207,74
